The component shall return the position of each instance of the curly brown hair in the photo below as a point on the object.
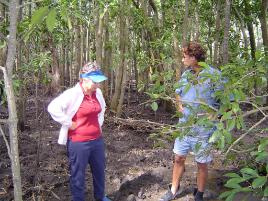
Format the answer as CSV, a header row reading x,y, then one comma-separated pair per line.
x,y
194,49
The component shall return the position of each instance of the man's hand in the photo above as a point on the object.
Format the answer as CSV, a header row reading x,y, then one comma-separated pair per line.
x,y
179,104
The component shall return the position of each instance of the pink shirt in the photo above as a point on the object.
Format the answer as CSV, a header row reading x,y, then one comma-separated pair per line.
x,y
86,119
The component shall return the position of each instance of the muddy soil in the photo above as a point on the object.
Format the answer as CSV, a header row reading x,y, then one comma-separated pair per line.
x,y
135,169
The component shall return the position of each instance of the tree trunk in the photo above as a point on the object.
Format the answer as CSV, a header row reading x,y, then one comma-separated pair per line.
x,y
107,55
185,22
217,34
197,25
55,82
250,30
242,27
12,111
21,101
99,37
225,45
117,100
264,30
2,50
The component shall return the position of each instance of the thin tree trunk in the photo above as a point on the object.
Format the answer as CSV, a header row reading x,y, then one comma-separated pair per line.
x,y
264,29
225,44
197,25
12,111
242,27
117,101
107,55
250,30
185,22
217,34
55,83
99,37
2,50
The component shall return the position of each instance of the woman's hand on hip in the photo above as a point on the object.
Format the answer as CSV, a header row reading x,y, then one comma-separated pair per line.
x,y
73,126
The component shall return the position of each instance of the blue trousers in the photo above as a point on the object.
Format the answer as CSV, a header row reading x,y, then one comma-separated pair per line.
x,y
81,154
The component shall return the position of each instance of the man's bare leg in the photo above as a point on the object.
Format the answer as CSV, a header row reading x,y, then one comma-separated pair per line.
x,y
178,170
202,176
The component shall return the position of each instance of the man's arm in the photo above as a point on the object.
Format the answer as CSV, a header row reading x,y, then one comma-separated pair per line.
x,y
179,103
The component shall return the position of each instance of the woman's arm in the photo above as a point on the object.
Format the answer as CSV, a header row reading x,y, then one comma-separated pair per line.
x,y
58,109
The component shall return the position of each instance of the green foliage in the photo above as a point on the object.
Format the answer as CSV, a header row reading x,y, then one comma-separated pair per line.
x,y
16,86
37,69
154,106
51,19
250,179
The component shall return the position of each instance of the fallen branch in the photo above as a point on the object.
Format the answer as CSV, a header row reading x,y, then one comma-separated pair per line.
x,y
141,123
254,111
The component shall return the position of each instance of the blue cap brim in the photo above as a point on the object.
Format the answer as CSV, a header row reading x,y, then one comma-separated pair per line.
x,y
97,78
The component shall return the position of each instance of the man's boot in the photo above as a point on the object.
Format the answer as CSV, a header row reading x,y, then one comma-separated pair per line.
x,y
198,196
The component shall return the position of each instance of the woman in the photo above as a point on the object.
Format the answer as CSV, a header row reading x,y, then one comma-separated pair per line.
x,y
80,111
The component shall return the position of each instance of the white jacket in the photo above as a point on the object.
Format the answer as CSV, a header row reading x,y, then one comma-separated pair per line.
x,y
64,107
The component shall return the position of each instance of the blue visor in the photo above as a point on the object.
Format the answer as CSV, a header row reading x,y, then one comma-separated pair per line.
x,y
95,76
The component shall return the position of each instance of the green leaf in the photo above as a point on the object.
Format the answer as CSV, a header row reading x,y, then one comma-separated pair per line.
x,y
228,136
235,180
225,194
230,124
249,171
259,182
258,55
187,88
263,145
222,142
154,106
203,64
69,23
227,115
51,19
39,15
3,44
232,185
235,107
265,192
231,196
214,137
267,168
176,134
246,189
262,156
232,175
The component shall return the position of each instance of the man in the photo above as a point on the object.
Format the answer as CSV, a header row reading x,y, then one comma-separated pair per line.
x,y
193,89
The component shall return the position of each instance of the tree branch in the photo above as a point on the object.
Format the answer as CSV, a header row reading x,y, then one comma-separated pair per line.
x,y
249,74
4,2
135,4
254,111
199,102
3,121
253,104
5,139
151,2
28,3
245,134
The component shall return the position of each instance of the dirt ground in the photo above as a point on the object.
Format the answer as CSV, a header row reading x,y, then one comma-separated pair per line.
x,y
135,169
